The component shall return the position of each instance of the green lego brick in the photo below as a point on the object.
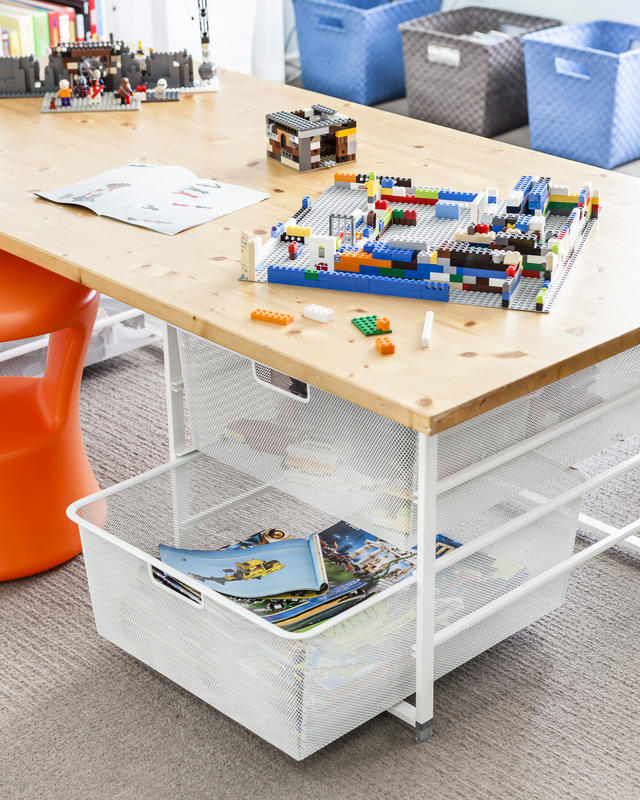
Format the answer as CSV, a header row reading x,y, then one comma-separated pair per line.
x,y
311,274
390,272
455,279
367,325
561,208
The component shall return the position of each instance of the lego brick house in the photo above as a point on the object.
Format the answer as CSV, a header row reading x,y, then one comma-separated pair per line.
x,y
311,138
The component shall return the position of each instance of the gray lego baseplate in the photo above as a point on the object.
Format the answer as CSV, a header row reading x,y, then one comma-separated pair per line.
x,y
109,101
428,234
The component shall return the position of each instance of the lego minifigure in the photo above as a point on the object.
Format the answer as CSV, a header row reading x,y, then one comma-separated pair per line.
x,y
97,87
81,89
125,92
141,91
64,92
161,89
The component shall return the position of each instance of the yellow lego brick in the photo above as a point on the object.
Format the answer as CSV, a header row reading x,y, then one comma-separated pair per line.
x,y
386,190
347,132
434,257
297,230
563,198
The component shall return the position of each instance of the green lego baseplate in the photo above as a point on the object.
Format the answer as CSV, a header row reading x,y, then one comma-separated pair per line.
x,y
367,325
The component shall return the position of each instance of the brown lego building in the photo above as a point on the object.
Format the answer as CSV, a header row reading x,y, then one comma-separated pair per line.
x,y
312,138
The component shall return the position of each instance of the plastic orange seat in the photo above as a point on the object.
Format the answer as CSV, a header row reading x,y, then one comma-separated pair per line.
x,y
43,464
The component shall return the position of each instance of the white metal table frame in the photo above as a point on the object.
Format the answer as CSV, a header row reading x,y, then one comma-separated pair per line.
x,y
420,716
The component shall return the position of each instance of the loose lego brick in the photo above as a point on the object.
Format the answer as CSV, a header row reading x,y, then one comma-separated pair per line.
x,y
383,325
369,325
276,317
425,339
385,346
318,313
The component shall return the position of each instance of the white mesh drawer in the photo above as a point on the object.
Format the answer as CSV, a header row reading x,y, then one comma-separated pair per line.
x,y
297,691
603,400
343,459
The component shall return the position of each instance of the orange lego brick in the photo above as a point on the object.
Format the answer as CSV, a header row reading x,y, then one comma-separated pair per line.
x,y
383,324
271,316
385,346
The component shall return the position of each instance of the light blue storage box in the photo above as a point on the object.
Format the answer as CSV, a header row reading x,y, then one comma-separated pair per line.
x,y
352,48
583,87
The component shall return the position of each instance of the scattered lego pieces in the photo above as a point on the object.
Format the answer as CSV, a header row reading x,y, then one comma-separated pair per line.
x,y
369,325
318,313
385,346
271,316
425,339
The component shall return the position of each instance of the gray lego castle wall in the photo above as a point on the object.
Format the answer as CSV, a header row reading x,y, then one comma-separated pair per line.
x,y
20,75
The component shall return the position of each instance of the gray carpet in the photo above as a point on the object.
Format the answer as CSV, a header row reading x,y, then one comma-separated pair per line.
x,y
553,712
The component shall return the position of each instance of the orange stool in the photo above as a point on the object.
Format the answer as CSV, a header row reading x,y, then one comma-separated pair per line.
x,y
43,464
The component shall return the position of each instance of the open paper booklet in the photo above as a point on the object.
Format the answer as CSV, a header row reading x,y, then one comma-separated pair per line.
x,y
161,198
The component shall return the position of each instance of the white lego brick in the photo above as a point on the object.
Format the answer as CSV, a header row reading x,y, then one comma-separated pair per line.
x,y
551,262
442,277
559,189
511,258
425,339
399,191
496,282
515,197
318,313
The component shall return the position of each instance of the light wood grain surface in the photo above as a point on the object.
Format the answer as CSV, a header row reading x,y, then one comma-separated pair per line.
x,y
479,357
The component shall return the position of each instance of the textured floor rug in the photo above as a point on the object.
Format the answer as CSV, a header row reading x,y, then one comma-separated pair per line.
x,y
553,712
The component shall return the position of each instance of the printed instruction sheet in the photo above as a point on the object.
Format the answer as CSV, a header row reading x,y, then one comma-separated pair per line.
x,y
168,199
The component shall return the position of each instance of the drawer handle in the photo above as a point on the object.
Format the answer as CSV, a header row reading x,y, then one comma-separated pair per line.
x,y
181,590
281,382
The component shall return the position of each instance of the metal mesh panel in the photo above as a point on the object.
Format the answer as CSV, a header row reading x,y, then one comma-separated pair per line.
x,y
343,459
297,694
537,411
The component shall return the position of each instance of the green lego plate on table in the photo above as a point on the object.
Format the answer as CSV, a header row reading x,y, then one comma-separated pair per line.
x,y
367,325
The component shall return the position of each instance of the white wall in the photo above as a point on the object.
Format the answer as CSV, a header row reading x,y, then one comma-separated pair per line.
x,y
246,35
568,11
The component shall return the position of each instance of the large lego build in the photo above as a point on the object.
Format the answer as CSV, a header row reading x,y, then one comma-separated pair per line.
x,y
23,77
384,235
311,138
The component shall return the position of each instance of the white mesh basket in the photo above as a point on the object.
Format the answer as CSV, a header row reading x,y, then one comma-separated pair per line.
x,y
298,691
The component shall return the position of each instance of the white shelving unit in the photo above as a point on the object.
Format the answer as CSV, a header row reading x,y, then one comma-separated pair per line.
x,y
118,329
504,484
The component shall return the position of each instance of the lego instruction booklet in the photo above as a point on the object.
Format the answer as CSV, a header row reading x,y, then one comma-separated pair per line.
x,y
168,199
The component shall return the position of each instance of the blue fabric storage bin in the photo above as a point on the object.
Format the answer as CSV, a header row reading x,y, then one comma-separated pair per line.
x,y
352,48
583,88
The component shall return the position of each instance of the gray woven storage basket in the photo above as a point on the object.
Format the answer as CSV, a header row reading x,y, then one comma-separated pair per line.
x,y
474,86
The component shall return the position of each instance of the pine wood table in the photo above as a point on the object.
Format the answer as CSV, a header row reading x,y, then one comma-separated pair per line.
x,y
479,357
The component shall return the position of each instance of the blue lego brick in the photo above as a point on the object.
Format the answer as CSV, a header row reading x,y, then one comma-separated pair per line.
x,y
292,276
306,201
369,247
387,183
480,273
343,281
522,223
365,269
367,231
457,197
424,270
524,184
432,290
394,287
277,230
447,210
492,199
386,253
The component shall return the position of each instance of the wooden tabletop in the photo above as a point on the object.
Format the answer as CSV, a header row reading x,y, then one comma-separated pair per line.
x,y
479,357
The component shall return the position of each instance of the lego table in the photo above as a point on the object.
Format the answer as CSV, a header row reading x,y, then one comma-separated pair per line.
x,y
494,389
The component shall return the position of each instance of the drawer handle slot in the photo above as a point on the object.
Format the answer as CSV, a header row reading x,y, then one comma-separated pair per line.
x,y
177,587
281,382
